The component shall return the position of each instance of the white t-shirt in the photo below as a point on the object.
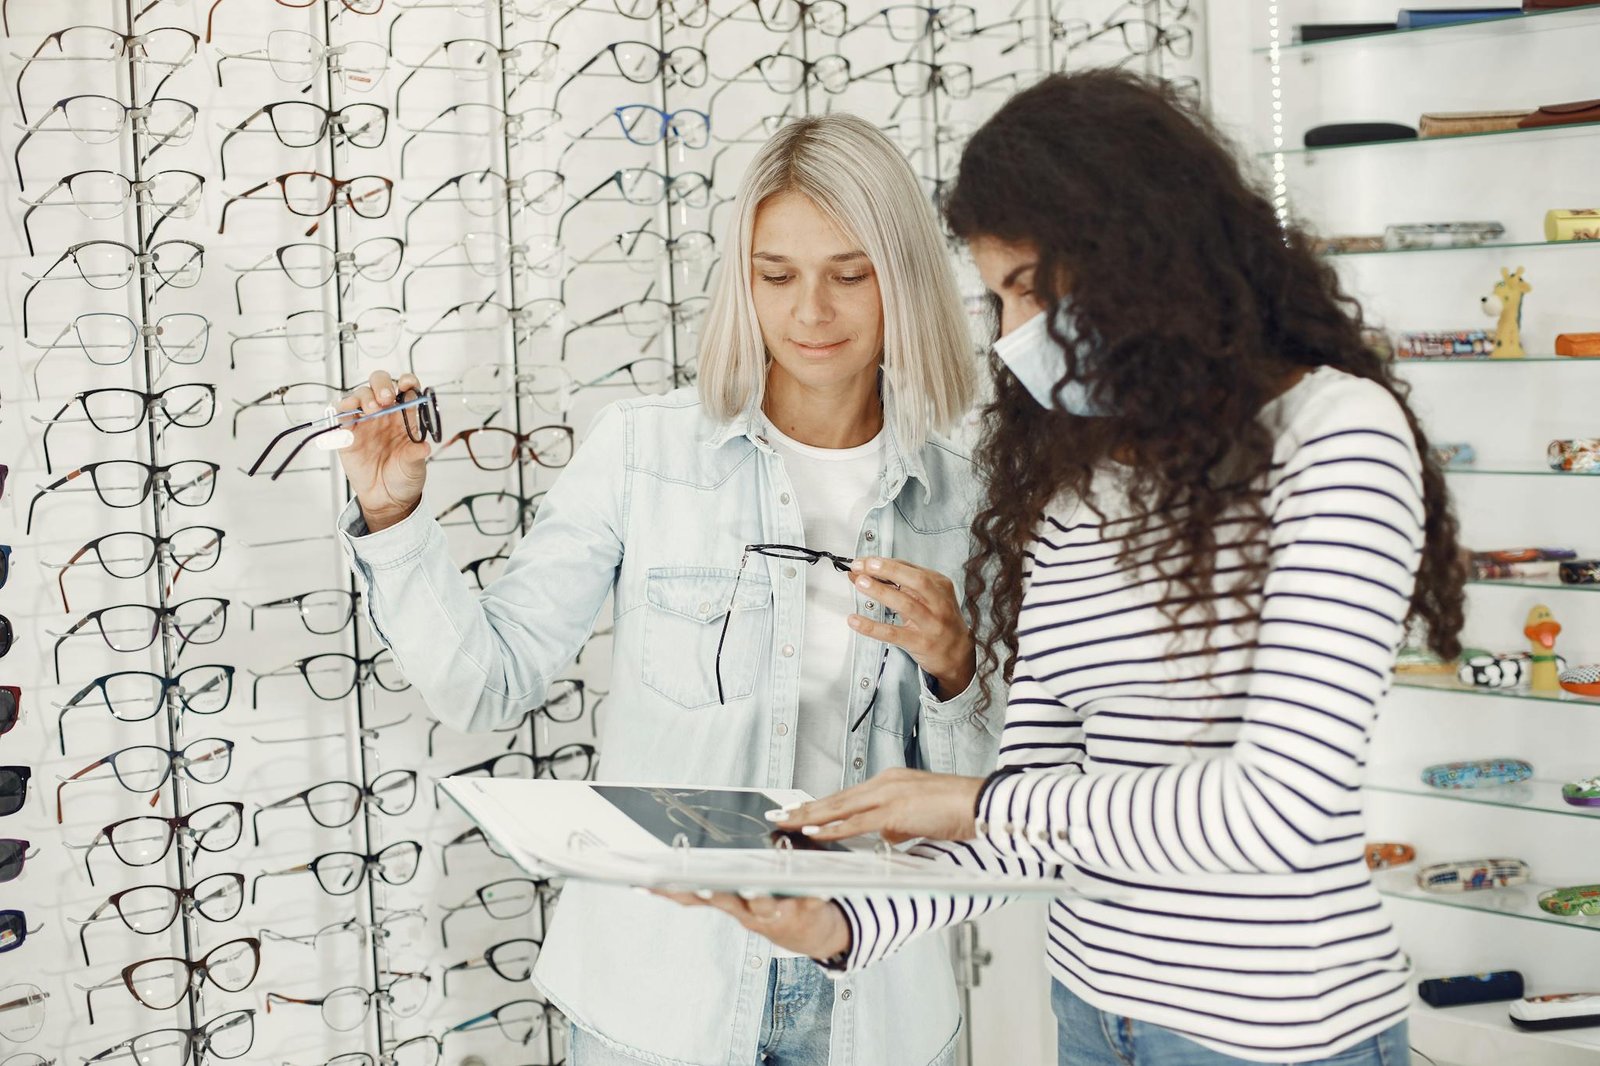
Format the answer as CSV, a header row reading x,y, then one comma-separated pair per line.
x,y
835,488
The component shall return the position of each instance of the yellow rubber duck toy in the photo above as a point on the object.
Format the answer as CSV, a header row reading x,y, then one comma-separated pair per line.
x,y
1542,629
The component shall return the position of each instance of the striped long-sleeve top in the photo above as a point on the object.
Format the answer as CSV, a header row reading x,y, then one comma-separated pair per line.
x,y
1217,790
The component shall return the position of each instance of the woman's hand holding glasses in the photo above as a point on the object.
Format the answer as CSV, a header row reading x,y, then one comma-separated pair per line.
x,y
386,467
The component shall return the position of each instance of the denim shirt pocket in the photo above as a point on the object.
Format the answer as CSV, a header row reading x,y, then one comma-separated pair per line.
x,y
684,614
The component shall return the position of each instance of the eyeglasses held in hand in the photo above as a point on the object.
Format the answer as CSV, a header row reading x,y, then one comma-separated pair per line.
x,y
126,483
145,767
347,1008
162,983
136,695
333,675
335,803
105,194
114,410
419,414
791,552
227,1036
340,873
151,909
146,839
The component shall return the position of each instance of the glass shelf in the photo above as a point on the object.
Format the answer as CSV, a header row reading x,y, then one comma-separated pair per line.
x,y
1519,471
1538,133
1449,684
1543,586
1458,31
1483,360
1489,246
1543,796
1517,901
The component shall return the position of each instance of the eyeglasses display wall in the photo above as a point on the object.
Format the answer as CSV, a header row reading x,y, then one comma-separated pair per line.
x,y
220,835
1427,149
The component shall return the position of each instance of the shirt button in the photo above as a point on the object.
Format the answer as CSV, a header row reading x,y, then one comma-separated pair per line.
x,y
788,651
788,571
866,682
870,536
1061,834
755,962
783,730
870,606
981,826
784,498
705,608
845,995
859,762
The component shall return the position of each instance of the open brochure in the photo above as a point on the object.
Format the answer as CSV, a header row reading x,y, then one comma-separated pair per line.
x,y
675,837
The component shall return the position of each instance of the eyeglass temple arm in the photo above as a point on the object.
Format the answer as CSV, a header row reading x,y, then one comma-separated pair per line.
x,y
222,149
273,443
256,880
222,223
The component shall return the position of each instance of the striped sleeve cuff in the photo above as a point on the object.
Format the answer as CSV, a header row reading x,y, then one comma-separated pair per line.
x,y
853,959
1025,813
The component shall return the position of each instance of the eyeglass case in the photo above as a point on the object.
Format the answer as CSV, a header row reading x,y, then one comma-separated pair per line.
x,y
1338,133
1441,234
1584,793
1572,224
1578,345
1472,875
1571,901
1471,988
1566,1010
1581,680
1478,773
1455,123
1312,32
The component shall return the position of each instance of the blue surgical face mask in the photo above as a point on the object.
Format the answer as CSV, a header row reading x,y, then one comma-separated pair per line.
x,y
1039,363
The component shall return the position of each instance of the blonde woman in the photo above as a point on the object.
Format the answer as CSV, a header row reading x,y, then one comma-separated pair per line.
x,y
835,348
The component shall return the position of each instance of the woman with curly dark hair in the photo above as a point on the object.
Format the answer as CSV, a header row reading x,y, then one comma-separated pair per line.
x,y
1211,513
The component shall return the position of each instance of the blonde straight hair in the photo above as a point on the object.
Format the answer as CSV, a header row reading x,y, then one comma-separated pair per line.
x,y
861,181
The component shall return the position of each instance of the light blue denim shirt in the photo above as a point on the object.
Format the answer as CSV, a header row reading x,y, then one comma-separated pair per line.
x,y
656,507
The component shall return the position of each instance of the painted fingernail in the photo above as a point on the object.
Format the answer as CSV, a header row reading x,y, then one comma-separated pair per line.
x,y
777,814
863,582
811,830
386,395
642,891
703,893
855,564
875,564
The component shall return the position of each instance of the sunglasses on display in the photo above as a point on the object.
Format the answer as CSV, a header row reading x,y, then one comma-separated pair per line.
x,y
14,930
10,708
14,855
13,788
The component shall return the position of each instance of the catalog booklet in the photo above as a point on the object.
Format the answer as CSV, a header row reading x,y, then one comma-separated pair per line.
x,y
675,837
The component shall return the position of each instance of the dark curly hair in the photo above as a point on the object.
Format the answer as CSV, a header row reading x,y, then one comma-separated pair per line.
x,y
1203,305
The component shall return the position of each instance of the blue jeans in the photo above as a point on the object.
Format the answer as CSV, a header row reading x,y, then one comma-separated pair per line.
x,y
1086,1036
794,1027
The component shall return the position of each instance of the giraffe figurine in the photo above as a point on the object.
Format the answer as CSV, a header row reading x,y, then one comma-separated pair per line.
x,y
1542,629
1506,303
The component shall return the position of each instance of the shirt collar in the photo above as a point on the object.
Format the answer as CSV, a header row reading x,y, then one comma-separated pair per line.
x,y
898,464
